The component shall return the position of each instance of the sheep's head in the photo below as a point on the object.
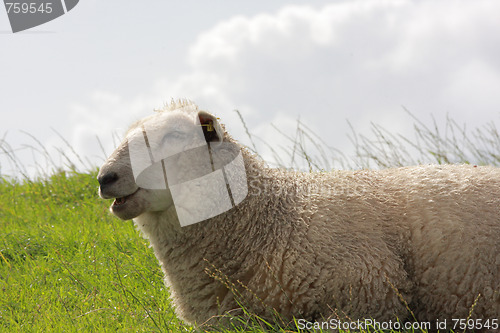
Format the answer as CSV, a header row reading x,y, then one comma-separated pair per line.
x,y
174,158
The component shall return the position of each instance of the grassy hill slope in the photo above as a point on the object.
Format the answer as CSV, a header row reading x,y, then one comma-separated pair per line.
x,y
66,264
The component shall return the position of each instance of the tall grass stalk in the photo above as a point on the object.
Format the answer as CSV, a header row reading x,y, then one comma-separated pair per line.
x,y
380,148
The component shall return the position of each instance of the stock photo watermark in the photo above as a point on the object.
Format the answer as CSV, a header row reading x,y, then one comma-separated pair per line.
x,y
204,178
367,324
24,15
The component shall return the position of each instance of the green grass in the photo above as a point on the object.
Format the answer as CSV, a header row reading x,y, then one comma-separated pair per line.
x,y
67,265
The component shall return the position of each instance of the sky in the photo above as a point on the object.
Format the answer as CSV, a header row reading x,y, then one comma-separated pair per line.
x,y
91,72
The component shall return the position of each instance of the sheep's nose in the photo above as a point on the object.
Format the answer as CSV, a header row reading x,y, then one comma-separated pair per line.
x,y
107,178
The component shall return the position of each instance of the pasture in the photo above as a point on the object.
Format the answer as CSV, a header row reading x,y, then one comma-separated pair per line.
x,y
66,264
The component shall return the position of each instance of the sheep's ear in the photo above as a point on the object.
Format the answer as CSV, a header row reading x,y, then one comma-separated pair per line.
x,y
211,128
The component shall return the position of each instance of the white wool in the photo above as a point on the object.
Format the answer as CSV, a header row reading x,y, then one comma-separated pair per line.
x,y
339,244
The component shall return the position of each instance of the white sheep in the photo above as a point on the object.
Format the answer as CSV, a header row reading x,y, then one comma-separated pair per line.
x,y
340,244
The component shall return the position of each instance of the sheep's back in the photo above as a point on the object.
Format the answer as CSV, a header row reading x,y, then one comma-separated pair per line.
x,y
452,215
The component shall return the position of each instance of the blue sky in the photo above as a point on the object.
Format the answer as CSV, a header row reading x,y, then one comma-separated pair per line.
x,y
104,64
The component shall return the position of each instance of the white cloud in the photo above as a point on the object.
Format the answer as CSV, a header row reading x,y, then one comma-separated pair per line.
x,y
358,60
107,116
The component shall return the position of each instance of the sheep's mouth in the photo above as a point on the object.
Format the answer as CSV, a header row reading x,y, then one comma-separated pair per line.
x,y
119,202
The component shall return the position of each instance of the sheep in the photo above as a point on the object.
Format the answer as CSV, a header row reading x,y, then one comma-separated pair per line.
x,y
409,243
